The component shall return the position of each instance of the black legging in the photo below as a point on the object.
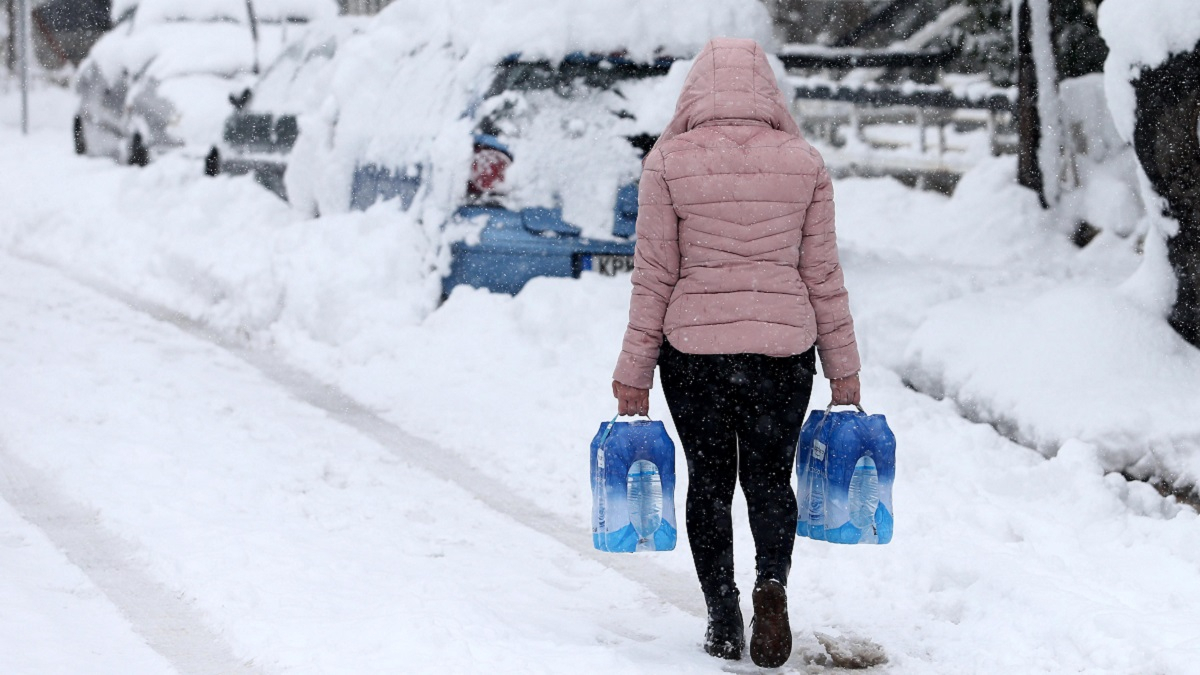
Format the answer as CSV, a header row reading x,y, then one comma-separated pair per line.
x,y
738,413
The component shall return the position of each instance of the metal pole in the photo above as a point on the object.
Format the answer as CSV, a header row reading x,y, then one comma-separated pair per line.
x,y
23,60
921,130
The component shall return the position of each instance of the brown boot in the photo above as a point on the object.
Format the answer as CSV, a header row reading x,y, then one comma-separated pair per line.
x,y
771,634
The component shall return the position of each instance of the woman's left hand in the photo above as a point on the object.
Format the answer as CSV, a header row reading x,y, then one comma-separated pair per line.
x,y
846,391
631,400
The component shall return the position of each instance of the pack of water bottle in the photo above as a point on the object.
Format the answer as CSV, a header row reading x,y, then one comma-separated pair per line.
x,y
633,487
845,468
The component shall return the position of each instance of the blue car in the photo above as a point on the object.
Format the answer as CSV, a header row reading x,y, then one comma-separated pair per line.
x,y
552,188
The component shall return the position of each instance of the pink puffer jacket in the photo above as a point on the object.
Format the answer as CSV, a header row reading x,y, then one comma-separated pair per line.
x,y
735,241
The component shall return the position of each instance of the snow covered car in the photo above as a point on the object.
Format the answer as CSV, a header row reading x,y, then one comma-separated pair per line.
x,y
576,111
572,119
162,77
516,145
262,128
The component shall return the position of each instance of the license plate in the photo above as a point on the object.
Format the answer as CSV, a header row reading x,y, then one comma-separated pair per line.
x,y
612,265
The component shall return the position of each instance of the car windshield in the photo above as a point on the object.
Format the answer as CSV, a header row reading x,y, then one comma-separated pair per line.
x,y
577,130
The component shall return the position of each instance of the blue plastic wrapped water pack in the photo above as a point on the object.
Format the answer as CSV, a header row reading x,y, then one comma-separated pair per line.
x,y
633,487
845,468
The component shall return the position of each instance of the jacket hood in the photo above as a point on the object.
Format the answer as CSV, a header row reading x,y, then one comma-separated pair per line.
x,y
730,80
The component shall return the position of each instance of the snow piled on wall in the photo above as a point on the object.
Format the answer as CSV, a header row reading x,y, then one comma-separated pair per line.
x,y
1142,34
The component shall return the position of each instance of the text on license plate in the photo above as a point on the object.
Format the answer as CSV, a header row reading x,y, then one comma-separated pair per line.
x,y
612,265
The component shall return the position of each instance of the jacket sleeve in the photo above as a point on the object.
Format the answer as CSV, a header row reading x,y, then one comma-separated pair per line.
x,y
822,274
655,273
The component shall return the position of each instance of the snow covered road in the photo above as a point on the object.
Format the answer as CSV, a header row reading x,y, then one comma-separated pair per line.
x,y
185,483
230,436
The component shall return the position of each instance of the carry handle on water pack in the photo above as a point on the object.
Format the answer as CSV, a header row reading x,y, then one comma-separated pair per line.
x,y
598,479
828,409
613,422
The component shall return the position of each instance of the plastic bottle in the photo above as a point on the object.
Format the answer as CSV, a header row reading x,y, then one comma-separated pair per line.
x,y
643,487
864,495
816,498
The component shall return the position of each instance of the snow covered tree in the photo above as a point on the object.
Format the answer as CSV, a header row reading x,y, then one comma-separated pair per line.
x,y
988,43
1165,136
1152,81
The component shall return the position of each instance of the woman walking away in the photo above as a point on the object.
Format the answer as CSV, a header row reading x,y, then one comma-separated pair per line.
x,y
736,265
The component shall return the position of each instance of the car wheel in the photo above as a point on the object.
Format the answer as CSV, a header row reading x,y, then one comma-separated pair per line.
x,y
80,141
1166,138
139,154
212,162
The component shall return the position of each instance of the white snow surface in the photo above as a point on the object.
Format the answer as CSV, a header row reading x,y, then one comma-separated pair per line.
x,y
1103,187
284,10
297,80
173,49
160,11
170,11
1142,34
305,544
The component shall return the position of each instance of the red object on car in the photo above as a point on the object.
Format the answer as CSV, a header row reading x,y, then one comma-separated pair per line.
x,y
487,171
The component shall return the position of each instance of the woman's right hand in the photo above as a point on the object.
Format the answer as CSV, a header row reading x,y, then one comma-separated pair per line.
x,y
631,400
846,391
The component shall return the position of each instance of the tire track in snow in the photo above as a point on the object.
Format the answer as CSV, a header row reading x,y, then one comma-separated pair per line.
x,y
442,462
166,620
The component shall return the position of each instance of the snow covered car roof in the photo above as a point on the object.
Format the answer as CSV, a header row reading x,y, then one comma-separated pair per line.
x,y
158,11
173,64
169,38
173,49
409,90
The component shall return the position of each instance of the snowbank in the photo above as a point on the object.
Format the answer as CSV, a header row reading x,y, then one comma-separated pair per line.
x,y
1078,362
989,221
228,252
1142,34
